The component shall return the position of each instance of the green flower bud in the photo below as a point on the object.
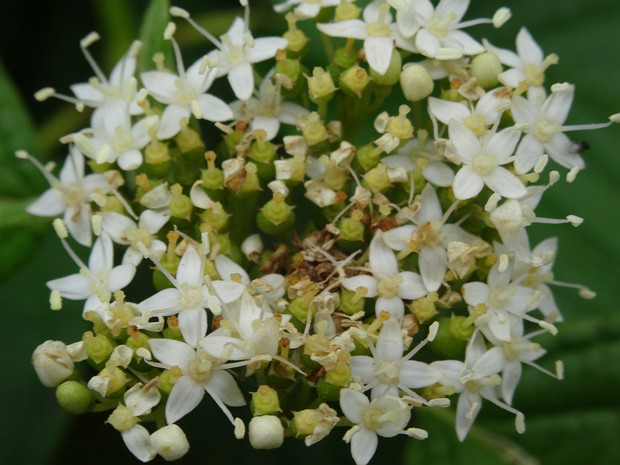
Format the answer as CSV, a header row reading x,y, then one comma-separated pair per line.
x,y
122,419
290,68
377,178
354,80
345,57
340,375
266,432
352,228
74,397
416,82
116,380
368,156
181,205
346,10
313,129
327,391
276,216
99,167
265,401
485,67
167,379
305,421
445,345
320,86
351,302
112,204
188,139
98,347
214,219
400,125
297,40
392,75
157,158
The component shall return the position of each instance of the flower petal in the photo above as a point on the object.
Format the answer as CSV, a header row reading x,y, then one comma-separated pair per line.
x,y
185,396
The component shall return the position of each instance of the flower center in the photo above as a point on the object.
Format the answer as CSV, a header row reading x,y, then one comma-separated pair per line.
x,y
439,26
378,28
475,123
234,53
122,141
185,94
201,369
374,418
388,287
484,164
191,296
544,130
387,373
72,195
499,297
138,235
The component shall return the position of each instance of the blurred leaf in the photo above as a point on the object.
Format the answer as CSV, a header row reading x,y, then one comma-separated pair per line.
x,y
117,27
152,36
17,178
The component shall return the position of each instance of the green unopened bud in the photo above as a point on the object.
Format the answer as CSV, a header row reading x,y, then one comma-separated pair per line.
x,y
424,309
277,211
212,177
265,401
157,158
485,67
313,129
214,219
181,205
98,347
392,75
305,422
266,432
327,391
112,204
297,40
320,85
368,156
74,397
416,82
352,228
170,442
354,80
99,167
340,375
187,139
345,57
461,328
52,363
400,125
290,68
352,302
122,419
261,150
377,178
116,380
346,10
167,379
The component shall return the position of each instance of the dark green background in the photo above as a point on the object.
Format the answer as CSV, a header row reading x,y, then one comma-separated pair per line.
x,y
575,421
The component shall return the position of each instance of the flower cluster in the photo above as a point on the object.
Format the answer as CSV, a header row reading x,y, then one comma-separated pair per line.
x,y
340,245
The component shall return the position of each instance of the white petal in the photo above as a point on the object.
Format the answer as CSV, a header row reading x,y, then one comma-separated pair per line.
x,y
430,208
444,110
214,109
527,48
352,28
463,423
462,41
226,267
467,183
223,385
363,366
166,302
353,403
456,8
390,342
398,238
510,378
77,219
120,277
241,79
383,262
393,306
365,281
265,48
412,286
190,270
505,183
529,151
433,265
269,124
503,144
426,43
185,396
160,85
50,203
172,352
130,160
557,148
169,123
363,446
475,293
138,441
439,174
73,287
193,325
414,374
379,53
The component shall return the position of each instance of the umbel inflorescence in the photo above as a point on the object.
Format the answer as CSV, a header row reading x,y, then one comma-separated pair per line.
x,y
343,244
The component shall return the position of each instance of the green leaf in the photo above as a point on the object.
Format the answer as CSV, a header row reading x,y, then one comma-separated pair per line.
x,y
152,36
17,178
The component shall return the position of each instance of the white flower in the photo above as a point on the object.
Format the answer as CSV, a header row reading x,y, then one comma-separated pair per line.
x,y
376,30
119,87
387,282
114,138
506,302
305,8
185,94
70,195
388,370
200,373
474,380
528,64
237,51
544,121
437,30
123,230
430,236
385,416
482,159
99,280
268,110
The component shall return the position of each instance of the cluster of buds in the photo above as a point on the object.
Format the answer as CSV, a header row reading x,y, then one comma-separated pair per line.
x,y
334,248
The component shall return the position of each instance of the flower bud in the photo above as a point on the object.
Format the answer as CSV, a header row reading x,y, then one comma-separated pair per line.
x,y
354,80
52,362
266,432
416,82
170,442
306,421
391,76
265,401
122,419
74,397
320,85
485,67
